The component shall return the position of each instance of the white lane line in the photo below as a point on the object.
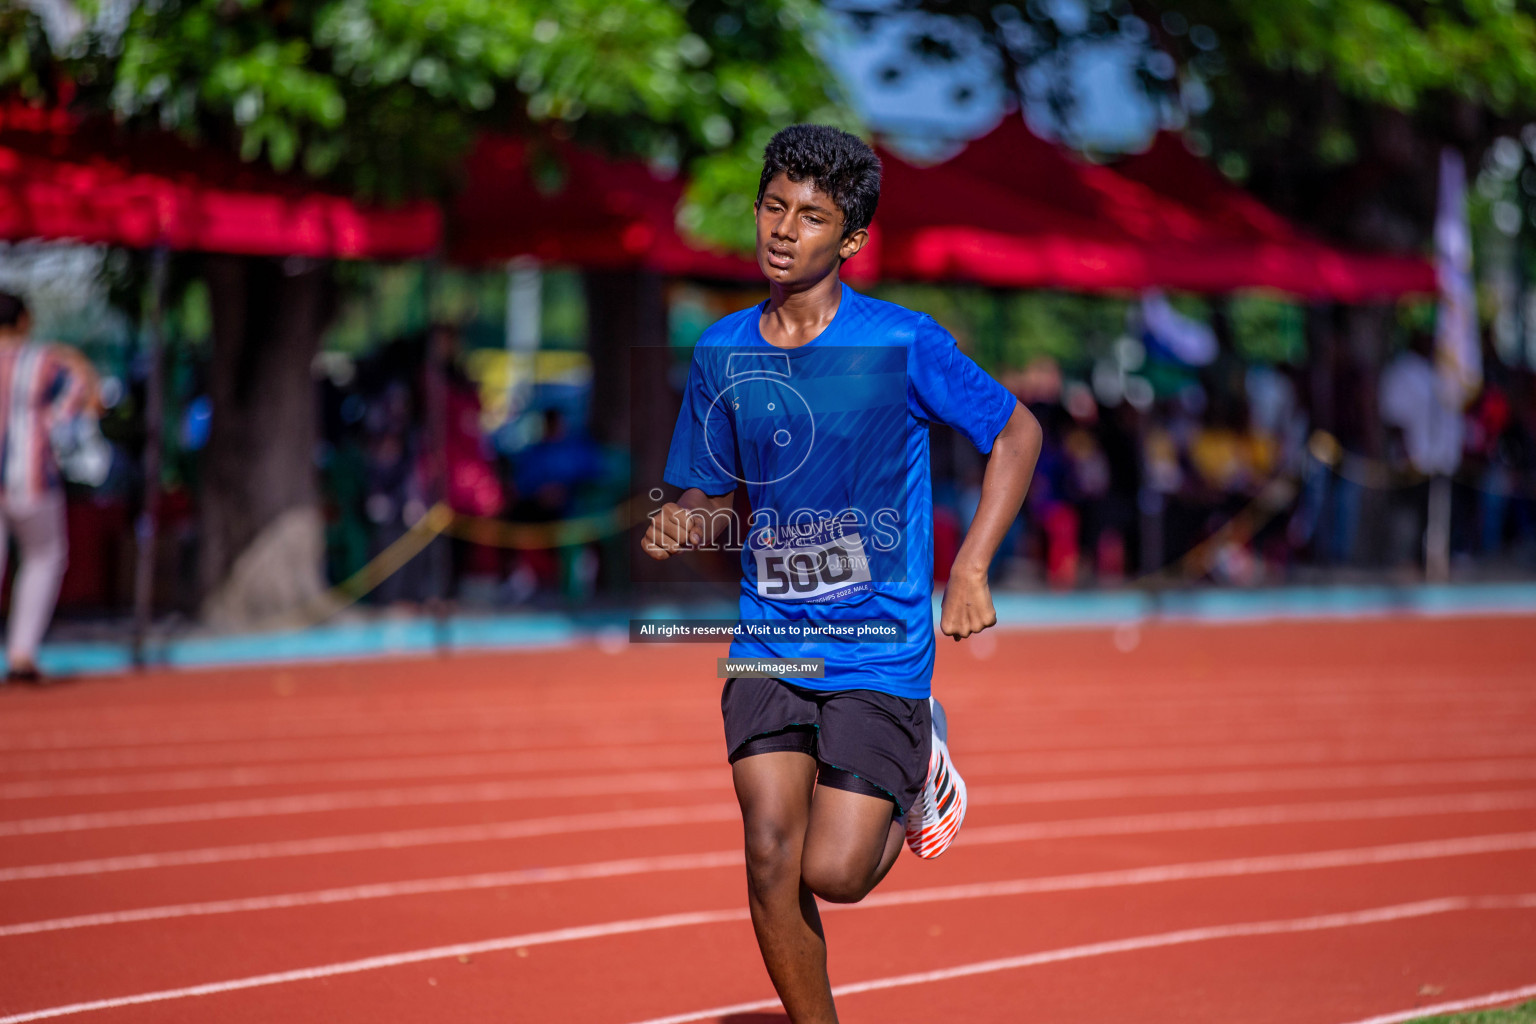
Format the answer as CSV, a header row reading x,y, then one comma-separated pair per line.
x,y
449,723
1255,781
374,963
1323,922
1320,860
619,750
417,796
715,779
1007,760
1256,688
1154,875
538,764
63,728
1328,693
1134,824
1455,1005
651,924
358,723
1014,760
602,821
388,890
234,757
1432,849
1237,817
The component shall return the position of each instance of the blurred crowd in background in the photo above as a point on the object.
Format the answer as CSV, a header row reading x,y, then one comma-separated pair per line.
x,y
339,263
1183,443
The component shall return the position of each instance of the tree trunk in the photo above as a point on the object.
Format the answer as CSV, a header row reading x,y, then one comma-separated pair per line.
x,y
627,332
262,534
1368,337
634,405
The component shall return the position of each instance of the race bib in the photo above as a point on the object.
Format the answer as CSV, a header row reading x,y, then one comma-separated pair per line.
x,y
812,571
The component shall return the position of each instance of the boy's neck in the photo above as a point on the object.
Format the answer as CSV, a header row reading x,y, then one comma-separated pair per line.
x,y
798,315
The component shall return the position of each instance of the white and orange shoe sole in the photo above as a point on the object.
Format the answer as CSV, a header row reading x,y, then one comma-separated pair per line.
x,y
935,819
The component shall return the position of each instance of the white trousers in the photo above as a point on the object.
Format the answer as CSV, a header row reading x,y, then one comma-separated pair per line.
x,y
38,526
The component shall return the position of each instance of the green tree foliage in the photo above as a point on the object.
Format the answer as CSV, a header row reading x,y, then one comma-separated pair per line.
x,y
1336,111
1398,53
1005,330
1333,110
385,96
26,62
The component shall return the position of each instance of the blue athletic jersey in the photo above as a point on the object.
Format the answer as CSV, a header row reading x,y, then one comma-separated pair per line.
x,y
831,441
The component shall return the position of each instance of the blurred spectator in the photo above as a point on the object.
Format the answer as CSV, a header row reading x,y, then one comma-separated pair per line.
x,y
1421,407
1117,541
1230,460
44,391
548,475
1485,457
1419,402
1048,504
1088,485
346,489
474,487
1163,478
471,484
398,494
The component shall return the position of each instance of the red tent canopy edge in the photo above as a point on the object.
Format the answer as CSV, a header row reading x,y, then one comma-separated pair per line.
x,y
61,178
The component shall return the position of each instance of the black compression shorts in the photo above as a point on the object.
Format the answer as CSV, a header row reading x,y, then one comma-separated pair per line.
x,y
864,741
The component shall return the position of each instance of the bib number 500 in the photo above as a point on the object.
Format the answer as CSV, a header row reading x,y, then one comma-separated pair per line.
x,y
802,573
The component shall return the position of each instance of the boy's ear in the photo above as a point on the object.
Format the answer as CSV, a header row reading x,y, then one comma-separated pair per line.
x,y
853,243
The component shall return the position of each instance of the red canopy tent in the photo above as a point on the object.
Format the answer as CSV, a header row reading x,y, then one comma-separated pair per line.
x,y
1011,210
603,214
1169,168
63,179
954,221
1164,226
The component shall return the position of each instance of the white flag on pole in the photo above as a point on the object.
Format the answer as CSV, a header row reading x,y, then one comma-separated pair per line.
x,y
1458,356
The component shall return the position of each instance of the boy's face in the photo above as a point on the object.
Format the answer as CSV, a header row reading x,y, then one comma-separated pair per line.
x,y
800,233
22,328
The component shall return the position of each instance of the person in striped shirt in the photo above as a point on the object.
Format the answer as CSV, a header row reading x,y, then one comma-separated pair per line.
x,y
41,387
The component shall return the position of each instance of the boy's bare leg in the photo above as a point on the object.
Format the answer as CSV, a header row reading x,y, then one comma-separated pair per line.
x,y
852,840
774,791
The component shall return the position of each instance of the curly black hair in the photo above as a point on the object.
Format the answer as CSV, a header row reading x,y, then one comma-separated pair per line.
x,y
11,309
837,163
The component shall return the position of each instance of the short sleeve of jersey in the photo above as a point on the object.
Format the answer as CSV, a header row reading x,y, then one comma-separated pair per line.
x,y
703,442
950,388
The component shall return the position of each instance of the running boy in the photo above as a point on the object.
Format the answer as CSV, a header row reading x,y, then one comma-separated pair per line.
x,y
820,400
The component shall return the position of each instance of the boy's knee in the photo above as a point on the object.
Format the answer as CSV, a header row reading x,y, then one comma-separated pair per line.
x,y
837,882
773,855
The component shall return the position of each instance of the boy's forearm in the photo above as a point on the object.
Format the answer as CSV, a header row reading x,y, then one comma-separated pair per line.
x,y
707,505
693,498
1009,471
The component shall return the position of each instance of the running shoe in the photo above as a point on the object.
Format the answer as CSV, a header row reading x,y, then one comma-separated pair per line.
x,y
936,816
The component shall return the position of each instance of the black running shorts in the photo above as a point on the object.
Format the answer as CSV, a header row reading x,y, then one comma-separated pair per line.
x,y
863,741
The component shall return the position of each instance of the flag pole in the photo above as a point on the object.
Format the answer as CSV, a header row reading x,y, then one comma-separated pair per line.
x,y
145,526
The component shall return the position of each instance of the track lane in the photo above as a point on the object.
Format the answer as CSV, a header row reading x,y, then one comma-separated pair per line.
x,y
278,937
1478,810
616,953
1327,686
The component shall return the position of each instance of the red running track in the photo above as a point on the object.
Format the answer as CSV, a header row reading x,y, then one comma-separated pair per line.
x,y
1307,823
